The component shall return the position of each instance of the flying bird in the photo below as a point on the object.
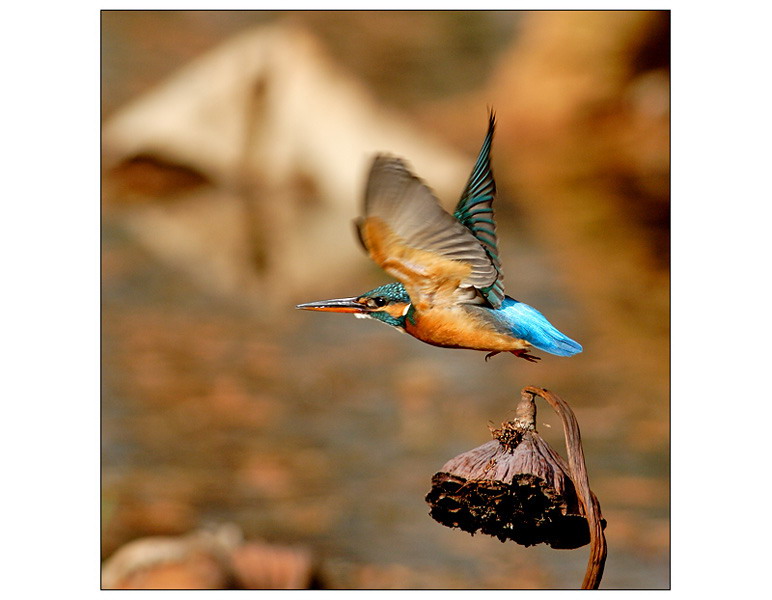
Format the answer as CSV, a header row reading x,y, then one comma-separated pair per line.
x,y
450,291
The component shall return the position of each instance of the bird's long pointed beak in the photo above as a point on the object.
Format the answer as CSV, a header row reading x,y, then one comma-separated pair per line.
x,y
341,305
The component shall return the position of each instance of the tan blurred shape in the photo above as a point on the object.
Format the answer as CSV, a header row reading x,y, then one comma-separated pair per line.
x,y
280,139
215,558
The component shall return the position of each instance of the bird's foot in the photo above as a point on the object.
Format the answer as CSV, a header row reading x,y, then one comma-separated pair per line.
x,y
526,356
494,353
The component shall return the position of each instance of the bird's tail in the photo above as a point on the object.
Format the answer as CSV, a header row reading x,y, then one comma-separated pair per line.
x,y
533,327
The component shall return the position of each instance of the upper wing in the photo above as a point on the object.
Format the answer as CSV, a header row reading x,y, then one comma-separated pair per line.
x,y
475,211
410,236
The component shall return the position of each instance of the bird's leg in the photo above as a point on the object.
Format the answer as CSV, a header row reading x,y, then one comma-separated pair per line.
x,y
525,355
494,353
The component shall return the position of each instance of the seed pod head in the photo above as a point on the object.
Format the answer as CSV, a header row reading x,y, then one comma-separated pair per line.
x,y
514,487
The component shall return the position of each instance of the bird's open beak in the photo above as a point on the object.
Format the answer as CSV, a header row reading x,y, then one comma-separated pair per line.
x,y
341,305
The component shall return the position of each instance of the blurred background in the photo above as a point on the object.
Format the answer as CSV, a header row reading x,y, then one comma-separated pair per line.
x,y
247,444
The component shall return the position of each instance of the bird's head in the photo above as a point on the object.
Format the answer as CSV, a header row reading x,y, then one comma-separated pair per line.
x,y
388,303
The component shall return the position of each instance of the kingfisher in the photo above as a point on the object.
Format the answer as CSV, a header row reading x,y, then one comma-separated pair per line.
x,y
450,290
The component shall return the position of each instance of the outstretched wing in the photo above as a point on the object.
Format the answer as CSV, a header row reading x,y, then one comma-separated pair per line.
x,y
411,237
475,211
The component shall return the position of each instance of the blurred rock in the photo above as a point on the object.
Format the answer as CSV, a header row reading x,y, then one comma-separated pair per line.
x,y
194,571
247,167
262,566
206,559
193,561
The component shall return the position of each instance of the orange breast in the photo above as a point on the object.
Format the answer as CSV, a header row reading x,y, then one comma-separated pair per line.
x,y
453,327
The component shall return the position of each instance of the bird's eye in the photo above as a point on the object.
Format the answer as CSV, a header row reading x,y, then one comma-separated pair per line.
x,y
377,302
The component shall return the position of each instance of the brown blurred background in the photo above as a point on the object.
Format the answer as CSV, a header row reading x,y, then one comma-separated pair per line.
x,y
260,446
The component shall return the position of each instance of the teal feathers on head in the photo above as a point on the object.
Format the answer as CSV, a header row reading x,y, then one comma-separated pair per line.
x,y
393,292
388,303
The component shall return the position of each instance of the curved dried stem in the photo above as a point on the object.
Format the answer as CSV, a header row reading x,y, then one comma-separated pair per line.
x,y
589,503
